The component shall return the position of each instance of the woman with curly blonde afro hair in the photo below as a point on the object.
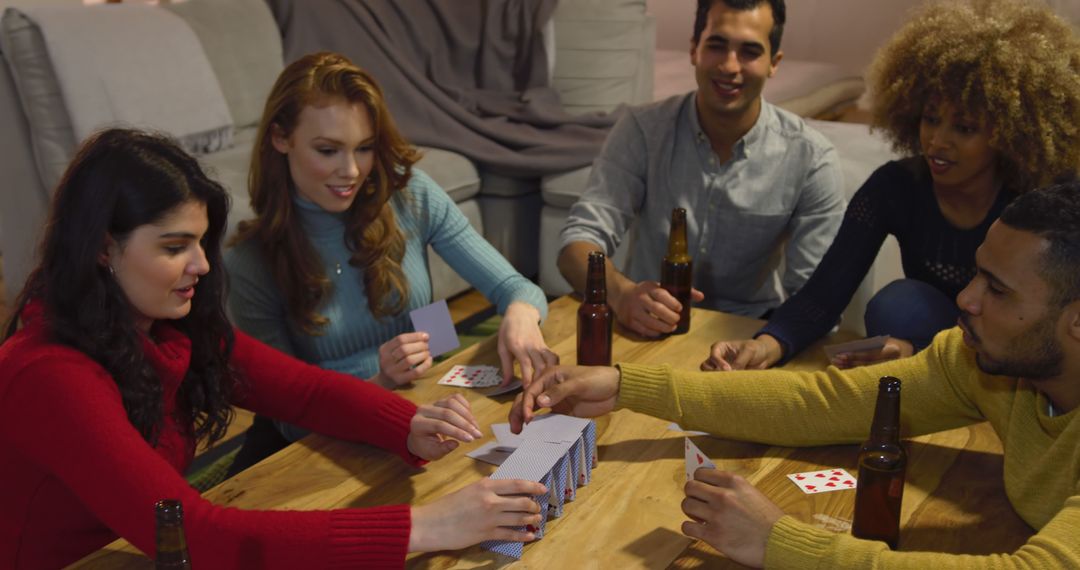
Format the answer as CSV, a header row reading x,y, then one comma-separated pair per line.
x,y
983,97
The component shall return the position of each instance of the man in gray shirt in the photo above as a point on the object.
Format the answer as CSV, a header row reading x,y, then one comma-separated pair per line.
x,y
751,177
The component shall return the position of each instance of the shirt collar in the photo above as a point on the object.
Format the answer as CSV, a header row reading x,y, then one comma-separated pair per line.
x,y
749,142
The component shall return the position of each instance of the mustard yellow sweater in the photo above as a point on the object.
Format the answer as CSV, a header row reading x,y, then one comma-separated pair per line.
x,y
943,389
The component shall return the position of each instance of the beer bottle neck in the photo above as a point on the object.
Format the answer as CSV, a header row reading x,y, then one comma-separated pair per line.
x,y
886,423
677,249
596,286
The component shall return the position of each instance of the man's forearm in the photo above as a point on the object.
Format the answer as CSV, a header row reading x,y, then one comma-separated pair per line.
x,y
573,263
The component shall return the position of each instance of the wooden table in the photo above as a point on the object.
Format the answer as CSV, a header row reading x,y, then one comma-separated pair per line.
x,y
629,516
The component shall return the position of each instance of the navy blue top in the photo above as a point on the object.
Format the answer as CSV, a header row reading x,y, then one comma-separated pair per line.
x,y
897,199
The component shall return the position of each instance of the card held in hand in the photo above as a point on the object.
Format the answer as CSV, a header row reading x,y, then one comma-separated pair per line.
x,y
695,459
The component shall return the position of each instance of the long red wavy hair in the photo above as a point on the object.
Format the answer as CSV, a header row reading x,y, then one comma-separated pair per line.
x,y
372,235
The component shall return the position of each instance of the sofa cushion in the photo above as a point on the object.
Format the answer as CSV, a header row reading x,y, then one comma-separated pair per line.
x,y
175,90
51,135
229,168
603,54
813,88
563,190
455,173
242,42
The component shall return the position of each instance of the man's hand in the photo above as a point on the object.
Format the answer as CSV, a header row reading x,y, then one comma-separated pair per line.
x,y
647,308
894,348
749,354
730,515
403,359
583,391
485,510
435,427
520,340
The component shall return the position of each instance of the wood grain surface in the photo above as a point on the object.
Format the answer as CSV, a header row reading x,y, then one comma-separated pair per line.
x,y
629,516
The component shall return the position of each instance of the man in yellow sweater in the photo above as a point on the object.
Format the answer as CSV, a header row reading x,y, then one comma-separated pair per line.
x,y
1014,360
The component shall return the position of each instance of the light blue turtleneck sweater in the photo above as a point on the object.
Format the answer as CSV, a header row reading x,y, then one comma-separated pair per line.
x,y
350,342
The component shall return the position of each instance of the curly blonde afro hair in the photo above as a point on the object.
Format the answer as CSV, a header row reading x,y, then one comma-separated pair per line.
x,y
1011,63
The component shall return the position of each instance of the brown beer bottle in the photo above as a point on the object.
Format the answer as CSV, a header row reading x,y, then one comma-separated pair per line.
x,y
172,553
594,317
677,269
882,462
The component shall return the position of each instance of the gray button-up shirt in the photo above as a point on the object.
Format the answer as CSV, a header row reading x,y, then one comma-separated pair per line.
x,y
779,197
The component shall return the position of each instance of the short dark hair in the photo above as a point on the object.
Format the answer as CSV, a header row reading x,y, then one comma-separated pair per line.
x,y
779,16
1053,213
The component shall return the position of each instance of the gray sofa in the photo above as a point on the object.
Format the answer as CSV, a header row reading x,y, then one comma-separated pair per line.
x,y
603,58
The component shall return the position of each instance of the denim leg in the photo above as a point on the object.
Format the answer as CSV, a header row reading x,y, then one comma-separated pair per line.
x,y
912,310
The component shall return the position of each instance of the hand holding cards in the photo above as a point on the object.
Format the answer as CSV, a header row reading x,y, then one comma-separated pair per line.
x,y
861,345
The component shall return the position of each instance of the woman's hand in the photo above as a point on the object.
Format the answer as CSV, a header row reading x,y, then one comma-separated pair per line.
x,y
482,511
403,359
520,340
436,428
749,354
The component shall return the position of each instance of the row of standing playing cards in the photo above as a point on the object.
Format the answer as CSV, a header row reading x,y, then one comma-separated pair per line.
x,y
555,450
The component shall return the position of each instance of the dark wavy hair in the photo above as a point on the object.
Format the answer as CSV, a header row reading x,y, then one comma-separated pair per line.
x,y
372,235
779,16
119,180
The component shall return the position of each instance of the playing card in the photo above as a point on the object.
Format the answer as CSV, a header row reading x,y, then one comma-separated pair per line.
x,y
676,427
435,320
872,343
695,459
491,453
574,473
543,500
555,427
481,376
557,491
506,439
823,481
497,390
590,436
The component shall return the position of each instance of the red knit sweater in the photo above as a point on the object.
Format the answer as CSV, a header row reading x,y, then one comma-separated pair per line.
x,y
75,474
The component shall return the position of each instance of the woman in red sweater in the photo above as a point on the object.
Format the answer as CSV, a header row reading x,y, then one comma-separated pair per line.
x,y
119,359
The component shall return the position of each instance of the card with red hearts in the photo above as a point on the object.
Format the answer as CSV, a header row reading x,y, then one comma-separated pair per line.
x,y
482,376
695,459
823,481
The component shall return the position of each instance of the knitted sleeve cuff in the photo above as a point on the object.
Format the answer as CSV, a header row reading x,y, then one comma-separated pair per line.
x,y
397,414
369,538
647,389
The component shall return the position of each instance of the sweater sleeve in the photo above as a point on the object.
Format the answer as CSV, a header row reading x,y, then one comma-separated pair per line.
x,y
254,302
91,447
780,407
814,223
284,388
811,312
467,252
615,191
794,544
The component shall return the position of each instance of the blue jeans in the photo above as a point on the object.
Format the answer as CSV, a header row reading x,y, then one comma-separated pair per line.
x,y
912,310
